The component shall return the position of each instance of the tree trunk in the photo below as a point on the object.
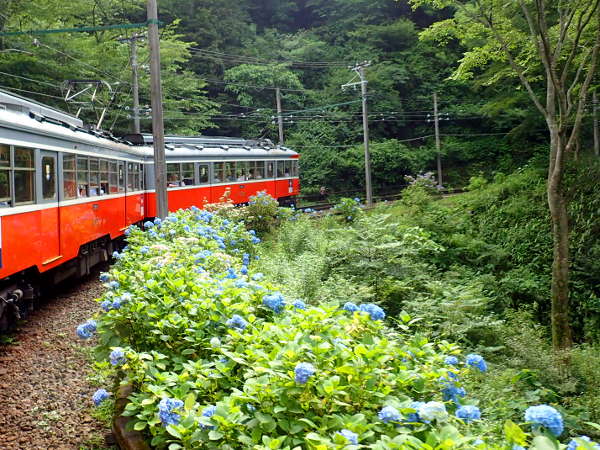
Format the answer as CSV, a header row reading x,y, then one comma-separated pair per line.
x,y
561,330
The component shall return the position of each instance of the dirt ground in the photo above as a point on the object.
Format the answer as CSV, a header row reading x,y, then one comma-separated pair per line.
x,y
45,394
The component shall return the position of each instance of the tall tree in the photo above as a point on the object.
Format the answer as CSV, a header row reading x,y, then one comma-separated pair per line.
x,y
552,47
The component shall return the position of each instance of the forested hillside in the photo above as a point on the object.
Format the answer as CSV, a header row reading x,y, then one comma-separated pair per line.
x,y
222,61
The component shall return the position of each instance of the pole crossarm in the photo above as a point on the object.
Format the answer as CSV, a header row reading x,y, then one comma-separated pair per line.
x,y
118,26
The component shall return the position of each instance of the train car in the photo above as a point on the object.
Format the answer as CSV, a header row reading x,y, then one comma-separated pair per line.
x,y
203,170
67,193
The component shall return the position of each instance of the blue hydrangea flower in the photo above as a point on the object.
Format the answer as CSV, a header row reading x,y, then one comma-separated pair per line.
x,y
157,221
375,312
252,232
299,304
349,435
477,361
468,413
414,417
236,321
574,445
275,301
166,411
477,442
246,259
256,240
389,414
451,392
104,277
209,411
117,303
244,270
187,228
148,224
113,285
432,410
546,416
251,408
303,372
349,306
83,332
126,297
144,249
116,255
99,396
106,305
357,200
117,357
231,273
451,360
257,276
518,447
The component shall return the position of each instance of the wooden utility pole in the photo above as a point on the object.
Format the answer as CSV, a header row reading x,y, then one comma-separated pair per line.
x,y
360,71
437,139
363,86
158,131
279,117
596,131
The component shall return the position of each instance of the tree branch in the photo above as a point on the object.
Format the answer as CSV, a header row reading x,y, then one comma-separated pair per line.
x,y
581,25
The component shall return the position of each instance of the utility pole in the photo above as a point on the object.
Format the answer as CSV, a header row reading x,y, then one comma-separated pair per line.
x,y
279,117
437,139
596,131
158,130
135,91
360,71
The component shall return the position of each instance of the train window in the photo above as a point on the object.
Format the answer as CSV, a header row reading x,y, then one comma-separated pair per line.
x,y
173,175
295,168
121,176
24,175
49,177
279,169
203,172
259,170
229,171
130,178
103,177
83,182
187,174
94,178
219,175
241,171
5,193
270,169
69,177
113,178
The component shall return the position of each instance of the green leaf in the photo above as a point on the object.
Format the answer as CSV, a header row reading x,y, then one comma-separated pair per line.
x,y
544,443
190,401
513,433
174,431
215,435
139,426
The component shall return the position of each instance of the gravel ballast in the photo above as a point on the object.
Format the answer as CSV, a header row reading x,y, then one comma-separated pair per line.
x,y
45,397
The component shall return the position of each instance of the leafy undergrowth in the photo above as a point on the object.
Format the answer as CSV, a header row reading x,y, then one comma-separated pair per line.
x,y
219,358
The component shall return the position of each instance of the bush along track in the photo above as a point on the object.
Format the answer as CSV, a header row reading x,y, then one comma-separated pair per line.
x,y
219,359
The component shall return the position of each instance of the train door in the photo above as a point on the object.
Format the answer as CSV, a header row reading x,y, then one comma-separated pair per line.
x,y
49,216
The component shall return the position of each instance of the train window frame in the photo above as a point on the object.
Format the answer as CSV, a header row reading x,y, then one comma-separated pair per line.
x,y
83,176
121,171
6,201
27,170
279,170
113,177
200,178
187,168
270,170
259,170
173,175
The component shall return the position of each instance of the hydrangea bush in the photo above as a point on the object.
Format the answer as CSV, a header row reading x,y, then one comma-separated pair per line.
x,y
220,359
348,209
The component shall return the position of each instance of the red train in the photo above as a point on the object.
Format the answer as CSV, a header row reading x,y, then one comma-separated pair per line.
x,y
67,193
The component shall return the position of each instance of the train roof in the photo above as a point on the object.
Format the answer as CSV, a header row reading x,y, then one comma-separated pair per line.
x,y
27,122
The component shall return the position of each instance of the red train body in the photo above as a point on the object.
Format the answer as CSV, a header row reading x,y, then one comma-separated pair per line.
x,y
67,194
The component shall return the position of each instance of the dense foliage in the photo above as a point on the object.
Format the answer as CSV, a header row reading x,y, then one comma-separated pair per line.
x,y
222,61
